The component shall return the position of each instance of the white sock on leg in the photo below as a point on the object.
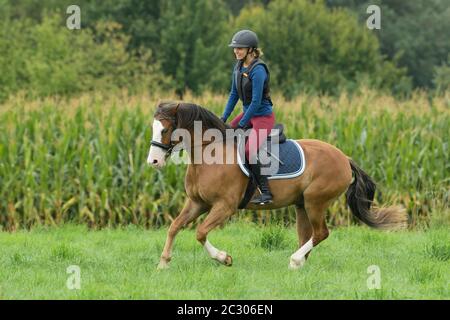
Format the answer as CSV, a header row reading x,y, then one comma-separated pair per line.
x,y
298,258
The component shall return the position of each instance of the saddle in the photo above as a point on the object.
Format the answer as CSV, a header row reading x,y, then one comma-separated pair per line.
x,y
279,131
276,131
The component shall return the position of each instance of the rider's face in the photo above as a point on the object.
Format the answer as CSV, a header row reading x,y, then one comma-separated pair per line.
x,y
240,53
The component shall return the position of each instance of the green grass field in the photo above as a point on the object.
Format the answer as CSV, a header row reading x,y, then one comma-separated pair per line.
x,y
121,264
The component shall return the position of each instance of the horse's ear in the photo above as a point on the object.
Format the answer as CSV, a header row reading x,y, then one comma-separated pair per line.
x,y
173,109
160,104
177,116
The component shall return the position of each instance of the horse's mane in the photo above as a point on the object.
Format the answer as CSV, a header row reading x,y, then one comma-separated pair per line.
x,y
186,113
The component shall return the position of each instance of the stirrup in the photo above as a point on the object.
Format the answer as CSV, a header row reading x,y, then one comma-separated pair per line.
x,y
262,199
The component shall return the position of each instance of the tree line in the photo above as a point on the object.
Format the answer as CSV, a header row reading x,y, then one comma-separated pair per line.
x,y
310,46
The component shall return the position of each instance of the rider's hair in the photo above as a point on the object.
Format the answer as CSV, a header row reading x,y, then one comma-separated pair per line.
x,y
257,52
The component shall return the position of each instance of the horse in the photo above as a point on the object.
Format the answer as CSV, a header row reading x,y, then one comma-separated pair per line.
x,y
218,188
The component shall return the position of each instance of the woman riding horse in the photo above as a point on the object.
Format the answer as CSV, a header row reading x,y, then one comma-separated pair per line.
x,y
218,188
250,84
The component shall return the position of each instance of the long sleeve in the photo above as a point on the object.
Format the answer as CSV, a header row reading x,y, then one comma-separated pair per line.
x,y
258,78
232,100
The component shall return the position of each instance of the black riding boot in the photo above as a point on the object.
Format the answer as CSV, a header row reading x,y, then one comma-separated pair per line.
x,y
265,197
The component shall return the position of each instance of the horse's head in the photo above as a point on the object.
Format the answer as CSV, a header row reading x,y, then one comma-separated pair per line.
x,y
170,116
164,123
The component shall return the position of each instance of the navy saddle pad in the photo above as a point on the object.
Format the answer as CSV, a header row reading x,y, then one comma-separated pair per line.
x,y
285,163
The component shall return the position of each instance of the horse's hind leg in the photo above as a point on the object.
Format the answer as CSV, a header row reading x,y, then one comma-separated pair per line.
x,y
217,216
304,228
316,216
189,213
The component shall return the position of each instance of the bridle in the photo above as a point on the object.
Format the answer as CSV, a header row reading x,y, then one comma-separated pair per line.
x,y
168,147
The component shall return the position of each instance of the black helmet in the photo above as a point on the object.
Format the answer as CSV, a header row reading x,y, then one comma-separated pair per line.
x,y
244,39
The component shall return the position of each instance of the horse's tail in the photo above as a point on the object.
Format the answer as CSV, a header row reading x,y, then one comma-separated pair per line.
x,y
360,196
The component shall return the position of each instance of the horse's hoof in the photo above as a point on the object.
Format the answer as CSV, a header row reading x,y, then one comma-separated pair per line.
x,y
224,258
228,261
162,266
296,264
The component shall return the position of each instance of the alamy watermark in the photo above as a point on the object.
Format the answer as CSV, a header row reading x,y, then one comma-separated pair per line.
x,y
374,280
212,146
74,280
374,20
73,22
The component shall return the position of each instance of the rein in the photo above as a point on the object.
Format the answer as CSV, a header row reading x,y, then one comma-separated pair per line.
x,y
170,147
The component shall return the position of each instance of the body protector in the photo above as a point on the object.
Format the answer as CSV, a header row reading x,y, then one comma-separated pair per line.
x,y
244,83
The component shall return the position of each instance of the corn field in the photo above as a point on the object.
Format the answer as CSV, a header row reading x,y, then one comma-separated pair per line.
x,y
84,160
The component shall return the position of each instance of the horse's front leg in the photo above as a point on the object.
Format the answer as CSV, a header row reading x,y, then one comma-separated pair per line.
x,y
217,216
189,213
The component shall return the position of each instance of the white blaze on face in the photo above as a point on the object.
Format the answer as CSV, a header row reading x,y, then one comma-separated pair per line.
x,y
156,155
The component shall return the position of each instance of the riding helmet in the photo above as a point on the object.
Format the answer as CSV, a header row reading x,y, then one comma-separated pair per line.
x,y
244,39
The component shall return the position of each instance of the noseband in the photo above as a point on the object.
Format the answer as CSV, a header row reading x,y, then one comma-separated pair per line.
x,y
167,147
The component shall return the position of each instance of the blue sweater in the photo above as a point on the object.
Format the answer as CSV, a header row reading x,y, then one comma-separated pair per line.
x,y
258,106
